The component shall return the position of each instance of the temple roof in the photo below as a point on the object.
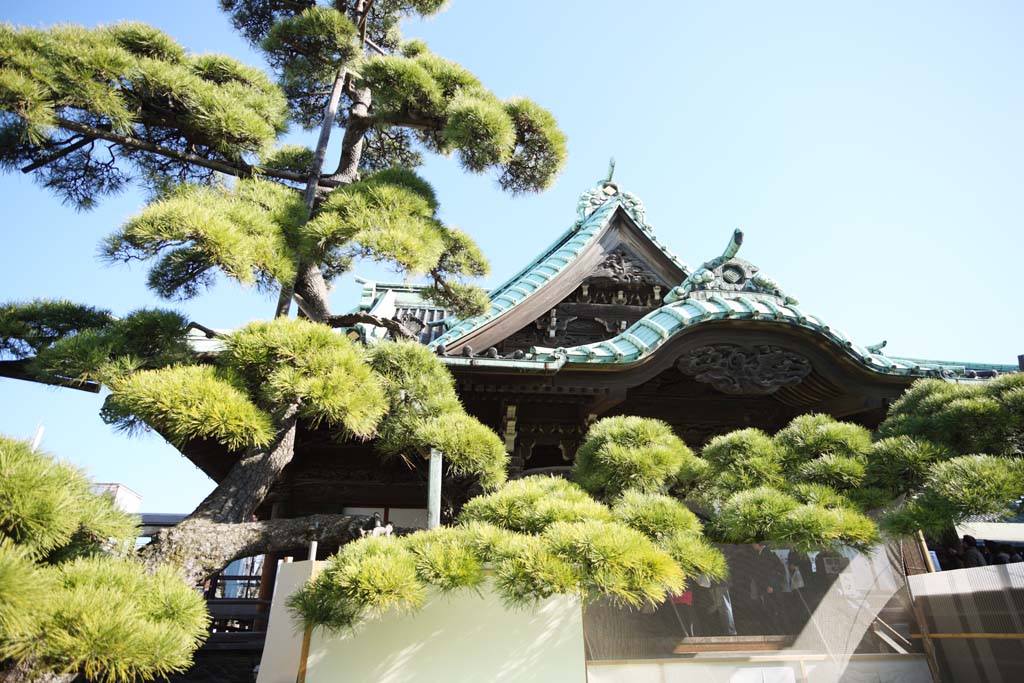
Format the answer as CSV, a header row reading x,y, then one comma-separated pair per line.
x,y
595,209
725,287
401,301
728,287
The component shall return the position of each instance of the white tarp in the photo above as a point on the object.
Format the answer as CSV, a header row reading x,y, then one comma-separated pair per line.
x,y
1006,532
464,637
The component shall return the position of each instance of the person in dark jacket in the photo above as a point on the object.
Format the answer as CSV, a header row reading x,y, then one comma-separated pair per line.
x,y
799,591
972,556
768,576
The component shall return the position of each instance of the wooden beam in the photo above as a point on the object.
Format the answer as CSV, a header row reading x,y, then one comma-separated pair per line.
x,y
732,644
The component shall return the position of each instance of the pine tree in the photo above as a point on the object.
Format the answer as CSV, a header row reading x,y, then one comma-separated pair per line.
x,y
72,598
85,110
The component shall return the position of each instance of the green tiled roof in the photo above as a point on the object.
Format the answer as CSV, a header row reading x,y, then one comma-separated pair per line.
x,y
722,288
707,295
594,210
650,332
406,293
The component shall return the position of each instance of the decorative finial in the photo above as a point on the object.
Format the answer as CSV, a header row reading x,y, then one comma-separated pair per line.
x,y
732,249
705,275
611,169
877,348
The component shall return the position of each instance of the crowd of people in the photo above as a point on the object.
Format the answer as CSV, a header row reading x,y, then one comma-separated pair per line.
x,y
969,553
767,592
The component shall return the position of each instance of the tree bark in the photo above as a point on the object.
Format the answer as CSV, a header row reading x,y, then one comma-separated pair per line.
x,y
202,548
22,672
309,196
311,292
352,143
249,480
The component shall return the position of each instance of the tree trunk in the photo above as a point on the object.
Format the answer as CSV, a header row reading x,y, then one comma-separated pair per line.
x,y
201,548
220,530
309,196
311,292
309,287
234,500
352,143
22,672
248,482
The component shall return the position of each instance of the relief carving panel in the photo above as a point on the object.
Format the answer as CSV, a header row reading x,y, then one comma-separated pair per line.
x,y
735,369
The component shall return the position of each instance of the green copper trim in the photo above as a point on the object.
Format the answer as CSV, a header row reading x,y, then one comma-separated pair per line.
x,y
644,337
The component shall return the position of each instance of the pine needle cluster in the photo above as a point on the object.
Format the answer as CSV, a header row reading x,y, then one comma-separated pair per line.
x,y
622,453
87,110
986,417
246,231
391,216
132,80
534,538
256,232
81,343
71,598
425,412
954,449
811,484
453,112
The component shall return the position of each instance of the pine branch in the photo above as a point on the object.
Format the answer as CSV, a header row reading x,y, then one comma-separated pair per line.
x,y
396,328
242,170
201,548
19,369
59,154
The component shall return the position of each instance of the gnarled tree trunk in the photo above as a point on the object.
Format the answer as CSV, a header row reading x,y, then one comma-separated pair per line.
x,y
22,672
202,548
193,545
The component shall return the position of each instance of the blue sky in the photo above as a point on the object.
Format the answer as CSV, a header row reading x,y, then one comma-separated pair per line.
x,y
870,151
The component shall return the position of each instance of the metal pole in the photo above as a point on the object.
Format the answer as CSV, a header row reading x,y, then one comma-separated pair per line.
x,y
434,490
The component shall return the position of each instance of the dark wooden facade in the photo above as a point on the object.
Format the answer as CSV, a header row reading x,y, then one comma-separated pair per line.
x,y
543,412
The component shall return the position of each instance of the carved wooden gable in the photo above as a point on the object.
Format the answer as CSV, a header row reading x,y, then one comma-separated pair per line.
x,y
626,277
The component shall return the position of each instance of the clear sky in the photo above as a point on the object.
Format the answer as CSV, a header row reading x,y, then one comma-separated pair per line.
x,y
871,151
